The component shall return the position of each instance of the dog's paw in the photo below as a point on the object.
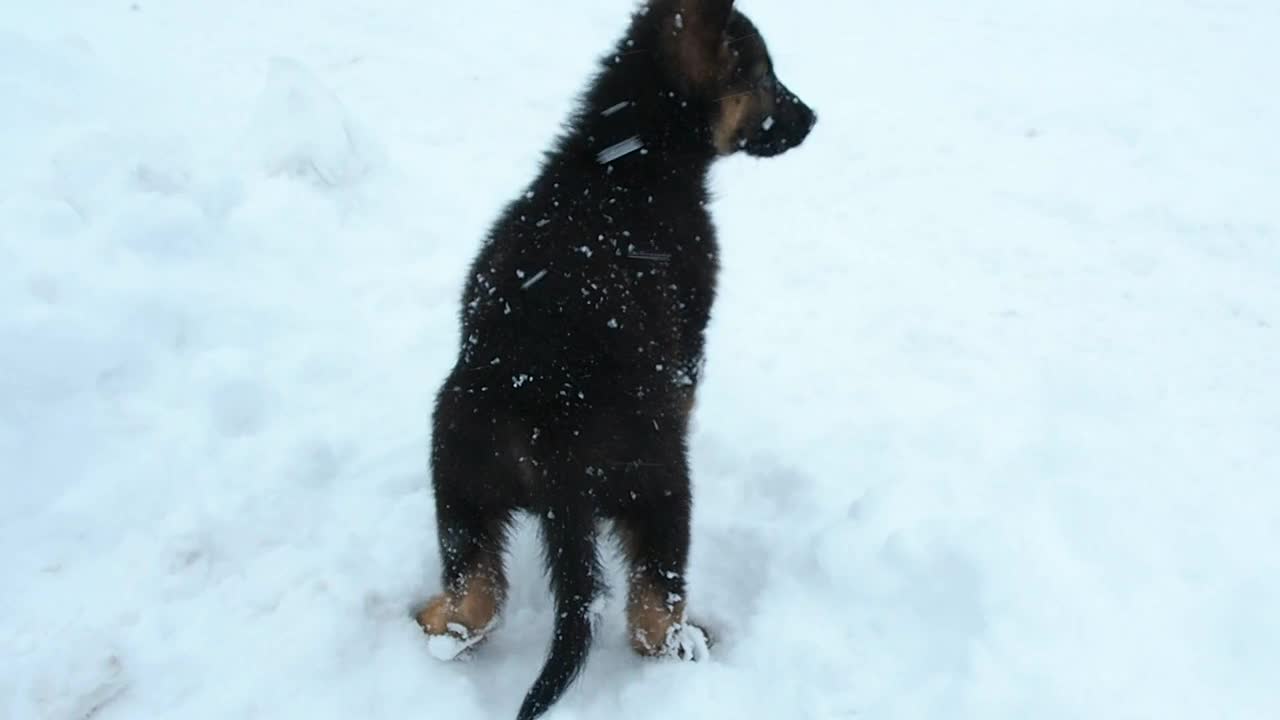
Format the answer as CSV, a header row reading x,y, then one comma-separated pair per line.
x,y
687,642
448,639
454,644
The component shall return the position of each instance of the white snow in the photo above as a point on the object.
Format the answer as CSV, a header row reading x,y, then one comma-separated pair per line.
x,y
537,277
620,149
614,109
687,642
455,644
989,428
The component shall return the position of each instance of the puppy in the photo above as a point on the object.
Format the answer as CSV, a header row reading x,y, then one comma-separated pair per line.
x,y
582,338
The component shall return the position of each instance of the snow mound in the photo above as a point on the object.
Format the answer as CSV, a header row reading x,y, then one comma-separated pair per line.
x,y
302,130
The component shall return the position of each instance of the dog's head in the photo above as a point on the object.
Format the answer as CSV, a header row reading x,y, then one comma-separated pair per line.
x,y
718,57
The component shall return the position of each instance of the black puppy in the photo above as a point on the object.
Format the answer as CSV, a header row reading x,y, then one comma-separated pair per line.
x,y
582,337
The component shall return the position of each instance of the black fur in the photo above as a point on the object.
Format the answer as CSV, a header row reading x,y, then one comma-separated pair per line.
x,y
582,326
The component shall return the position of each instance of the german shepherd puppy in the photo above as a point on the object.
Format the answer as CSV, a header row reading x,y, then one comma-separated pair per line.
x,y
582,338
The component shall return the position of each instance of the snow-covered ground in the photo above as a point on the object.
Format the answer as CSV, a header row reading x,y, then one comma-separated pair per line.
x,y
991,421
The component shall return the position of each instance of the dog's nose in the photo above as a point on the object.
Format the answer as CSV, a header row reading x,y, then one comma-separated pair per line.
x,y
805,115
808,118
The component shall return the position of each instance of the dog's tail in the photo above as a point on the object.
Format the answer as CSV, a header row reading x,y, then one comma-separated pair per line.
x,y
570,540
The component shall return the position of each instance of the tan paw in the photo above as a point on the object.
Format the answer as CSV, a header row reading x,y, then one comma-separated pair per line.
x,y
457,621
658,627
437,614
447,637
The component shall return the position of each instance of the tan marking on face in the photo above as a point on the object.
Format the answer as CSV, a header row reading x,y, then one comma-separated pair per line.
x,y
474,606
651,616
734,110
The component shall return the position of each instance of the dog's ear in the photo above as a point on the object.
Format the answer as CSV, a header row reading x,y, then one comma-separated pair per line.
x,y
694,38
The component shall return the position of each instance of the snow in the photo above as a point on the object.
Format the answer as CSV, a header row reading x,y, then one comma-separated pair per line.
x,y
537,277
989,427
620,149
614,109
455,644
687,642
